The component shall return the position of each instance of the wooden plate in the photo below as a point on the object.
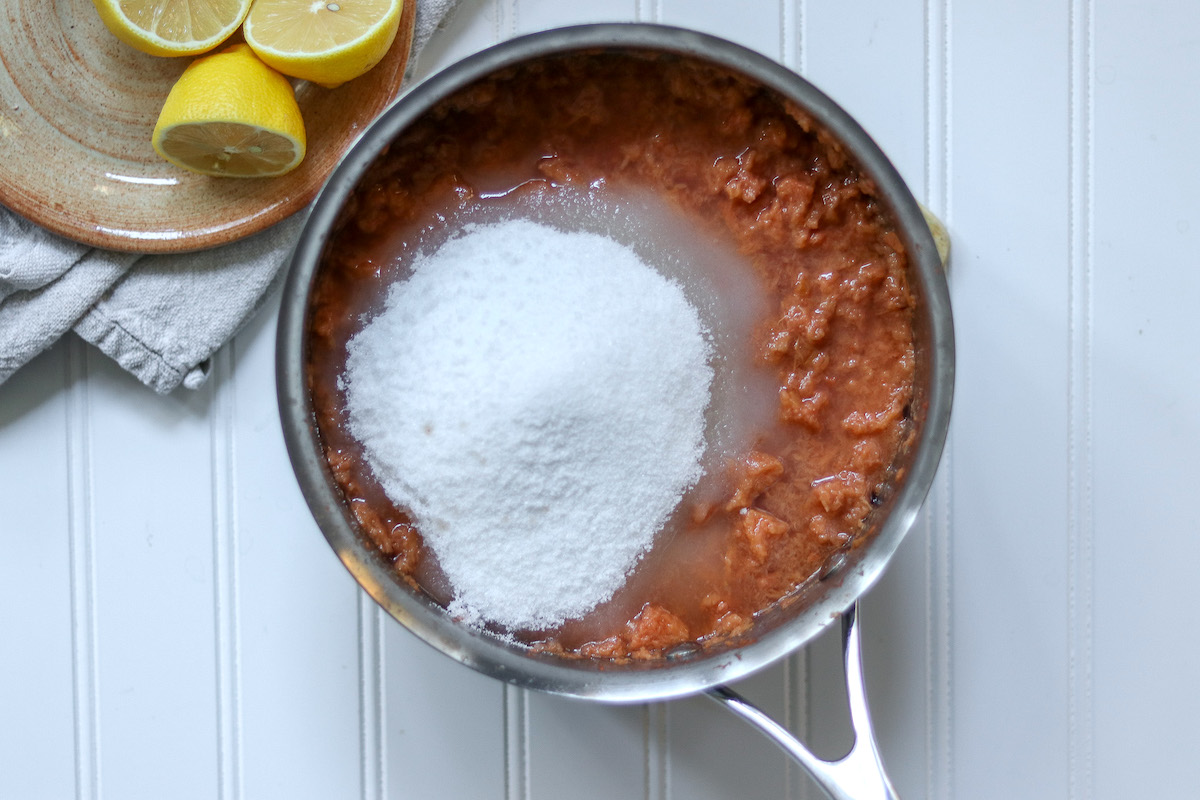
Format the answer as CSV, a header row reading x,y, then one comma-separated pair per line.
x,y
76,111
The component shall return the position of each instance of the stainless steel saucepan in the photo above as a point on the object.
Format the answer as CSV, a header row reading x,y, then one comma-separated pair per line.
x,y
775,633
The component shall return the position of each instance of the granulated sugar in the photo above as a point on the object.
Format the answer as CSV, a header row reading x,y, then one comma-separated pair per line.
x,y
536,398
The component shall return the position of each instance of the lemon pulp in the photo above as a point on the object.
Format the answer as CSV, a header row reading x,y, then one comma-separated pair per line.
x,y
231,115
172,27
327,42
232,149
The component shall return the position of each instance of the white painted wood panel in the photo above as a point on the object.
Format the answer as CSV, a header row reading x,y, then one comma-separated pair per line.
x,y
150,473
38,572
172,623
757,28
444,729
294,705
715,756
474,25
1009,206
870,56
527,16
1146,373
597,750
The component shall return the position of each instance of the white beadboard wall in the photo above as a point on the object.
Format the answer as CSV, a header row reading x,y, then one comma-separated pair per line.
x,y
173,624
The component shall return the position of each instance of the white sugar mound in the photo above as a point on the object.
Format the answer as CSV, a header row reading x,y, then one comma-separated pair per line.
x,y
537,399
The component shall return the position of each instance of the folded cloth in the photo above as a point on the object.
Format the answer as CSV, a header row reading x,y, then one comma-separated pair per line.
x,y
161,317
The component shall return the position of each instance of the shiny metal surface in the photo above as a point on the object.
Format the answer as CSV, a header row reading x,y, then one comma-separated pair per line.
x,y
777,632
859,775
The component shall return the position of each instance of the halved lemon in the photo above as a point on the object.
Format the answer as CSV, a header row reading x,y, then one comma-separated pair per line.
x,y
172,27
229,114
327,42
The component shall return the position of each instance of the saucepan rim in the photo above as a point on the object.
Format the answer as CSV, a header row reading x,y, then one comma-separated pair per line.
x,y
695,669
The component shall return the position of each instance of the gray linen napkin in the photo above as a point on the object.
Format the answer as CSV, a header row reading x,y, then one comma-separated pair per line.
x,y
161,317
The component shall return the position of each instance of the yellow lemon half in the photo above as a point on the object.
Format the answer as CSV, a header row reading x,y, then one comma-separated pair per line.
x,y
327,42
229,114
172,27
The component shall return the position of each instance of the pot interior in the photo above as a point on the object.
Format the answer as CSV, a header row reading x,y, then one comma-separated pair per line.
x,y
844,573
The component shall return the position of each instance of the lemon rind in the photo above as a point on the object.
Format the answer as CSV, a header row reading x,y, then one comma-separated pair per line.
x,y
340,49
384,21
286,60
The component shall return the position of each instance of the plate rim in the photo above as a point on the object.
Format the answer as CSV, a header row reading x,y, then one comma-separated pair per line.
x,y
55,219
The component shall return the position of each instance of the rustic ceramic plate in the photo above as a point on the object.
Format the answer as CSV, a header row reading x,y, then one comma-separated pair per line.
x,y
76,111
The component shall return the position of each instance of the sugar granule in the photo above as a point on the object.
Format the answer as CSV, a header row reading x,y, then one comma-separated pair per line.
x,y
536,398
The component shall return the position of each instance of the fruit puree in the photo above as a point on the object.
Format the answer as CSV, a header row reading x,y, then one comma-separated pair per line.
x,y
824,357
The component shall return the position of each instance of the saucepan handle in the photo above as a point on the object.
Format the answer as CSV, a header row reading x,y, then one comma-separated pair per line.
x,y
860,774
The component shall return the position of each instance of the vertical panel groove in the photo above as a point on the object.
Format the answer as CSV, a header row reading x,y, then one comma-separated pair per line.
x,y
225,584
80,527
801,39
656,732
370,698
380,698
785,32
516,743
797,785
506,19
937,106
939,733
1079,406
941,763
